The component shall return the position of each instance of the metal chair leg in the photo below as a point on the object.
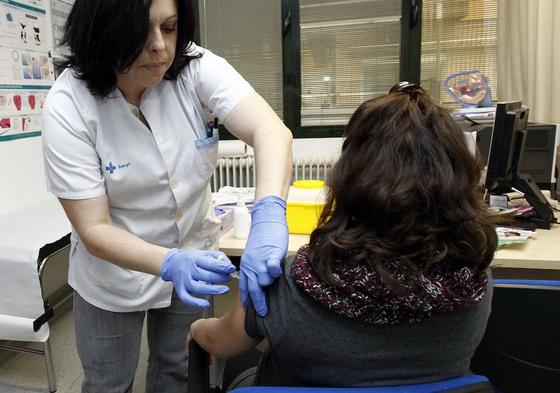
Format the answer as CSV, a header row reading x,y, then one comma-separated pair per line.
x,y
50,369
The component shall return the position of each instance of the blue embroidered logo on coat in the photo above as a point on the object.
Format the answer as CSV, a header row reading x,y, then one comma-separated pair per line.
x,y
112,168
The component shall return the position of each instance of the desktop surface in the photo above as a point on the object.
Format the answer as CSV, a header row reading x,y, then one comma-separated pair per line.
x,y
540,252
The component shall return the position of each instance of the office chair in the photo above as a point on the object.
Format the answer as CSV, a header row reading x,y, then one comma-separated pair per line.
x,y
520,351
198,382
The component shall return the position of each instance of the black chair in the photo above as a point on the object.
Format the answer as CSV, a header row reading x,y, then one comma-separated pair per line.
x,y
520,351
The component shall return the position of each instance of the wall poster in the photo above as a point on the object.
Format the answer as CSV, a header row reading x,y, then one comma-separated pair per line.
x,y
26,67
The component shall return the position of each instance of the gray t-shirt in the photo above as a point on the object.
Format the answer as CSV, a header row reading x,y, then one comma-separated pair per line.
x,y
312,346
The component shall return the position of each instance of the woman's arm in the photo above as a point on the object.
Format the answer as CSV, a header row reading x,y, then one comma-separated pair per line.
x,y
224,337
191,271
255,123
91,219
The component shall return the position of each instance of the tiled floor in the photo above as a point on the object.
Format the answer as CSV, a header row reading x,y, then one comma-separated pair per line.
x,y
29,372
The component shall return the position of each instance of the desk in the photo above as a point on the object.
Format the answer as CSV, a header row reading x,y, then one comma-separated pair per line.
x,y
539,253
234,247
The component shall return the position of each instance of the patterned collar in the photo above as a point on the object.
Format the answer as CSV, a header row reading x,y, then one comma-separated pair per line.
x,y
363,296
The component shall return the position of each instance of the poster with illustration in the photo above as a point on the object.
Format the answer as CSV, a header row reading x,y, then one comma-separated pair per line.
x,y
26,70
20,112
23,26
18,67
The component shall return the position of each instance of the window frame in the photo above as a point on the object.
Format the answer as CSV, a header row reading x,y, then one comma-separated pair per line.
x,y
409,61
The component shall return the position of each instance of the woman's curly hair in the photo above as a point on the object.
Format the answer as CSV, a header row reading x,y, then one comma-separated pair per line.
x,y
405,189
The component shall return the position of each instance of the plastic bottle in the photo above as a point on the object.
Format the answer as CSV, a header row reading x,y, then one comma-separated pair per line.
x,y
241,220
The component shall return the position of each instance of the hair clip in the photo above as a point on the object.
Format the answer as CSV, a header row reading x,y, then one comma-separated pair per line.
x,y
401,86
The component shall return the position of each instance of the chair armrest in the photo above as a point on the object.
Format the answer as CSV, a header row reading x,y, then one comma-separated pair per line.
x,y
198,373
536,283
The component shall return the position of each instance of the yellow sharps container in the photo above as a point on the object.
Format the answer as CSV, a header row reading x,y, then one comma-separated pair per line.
x,y
306,200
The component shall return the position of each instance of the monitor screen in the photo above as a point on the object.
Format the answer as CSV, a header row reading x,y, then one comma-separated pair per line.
x,y
538,156
506,149
506,146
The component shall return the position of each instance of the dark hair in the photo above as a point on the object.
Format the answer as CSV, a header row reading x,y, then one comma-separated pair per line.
x,y
106,36
405,190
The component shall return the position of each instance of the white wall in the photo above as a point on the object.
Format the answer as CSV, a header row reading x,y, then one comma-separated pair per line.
x,y
316,147
309,148
22,182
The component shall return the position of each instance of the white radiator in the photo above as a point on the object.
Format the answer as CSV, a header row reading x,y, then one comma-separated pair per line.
x,y
316,168
240,171
234,172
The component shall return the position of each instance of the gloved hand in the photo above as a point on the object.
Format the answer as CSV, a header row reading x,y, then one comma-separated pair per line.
x,y
265,250
191,271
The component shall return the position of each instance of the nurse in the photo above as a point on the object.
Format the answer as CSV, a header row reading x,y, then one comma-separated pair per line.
x,y
127,153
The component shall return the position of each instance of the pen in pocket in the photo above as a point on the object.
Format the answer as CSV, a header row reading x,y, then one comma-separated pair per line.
x,y
210,127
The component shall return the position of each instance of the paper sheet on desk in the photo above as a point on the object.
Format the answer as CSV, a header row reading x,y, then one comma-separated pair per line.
x,y
507,236
230,195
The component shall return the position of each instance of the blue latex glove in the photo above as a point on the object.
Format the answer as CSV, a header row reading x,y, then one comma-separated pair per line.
x,y
265,250
193,271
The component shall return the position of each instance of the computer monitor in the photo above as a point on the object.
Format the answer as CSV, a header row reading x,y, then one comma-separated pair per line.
x,y
506,149
539,154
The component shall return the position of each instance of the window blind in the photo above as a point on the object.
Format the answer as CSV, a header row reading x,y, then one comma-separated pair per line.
x,y
247,33
349,52
458,35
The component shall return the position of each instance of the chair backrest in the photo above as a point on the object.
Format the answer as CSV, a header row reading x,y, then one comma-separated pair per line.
x,y
464,384
520,351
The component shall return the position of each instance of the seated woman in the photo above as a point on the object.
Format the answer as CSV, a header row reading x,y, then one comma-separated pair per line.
x,y
394,286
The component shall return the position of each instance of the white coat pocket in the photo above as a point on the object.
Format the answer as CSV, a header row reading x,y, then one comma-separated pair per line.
x,y
210,230
207,149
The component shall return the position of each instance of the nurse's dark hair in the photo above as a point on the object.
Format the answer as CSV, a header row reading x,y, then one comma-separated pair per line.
x,y
406,190
105,36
